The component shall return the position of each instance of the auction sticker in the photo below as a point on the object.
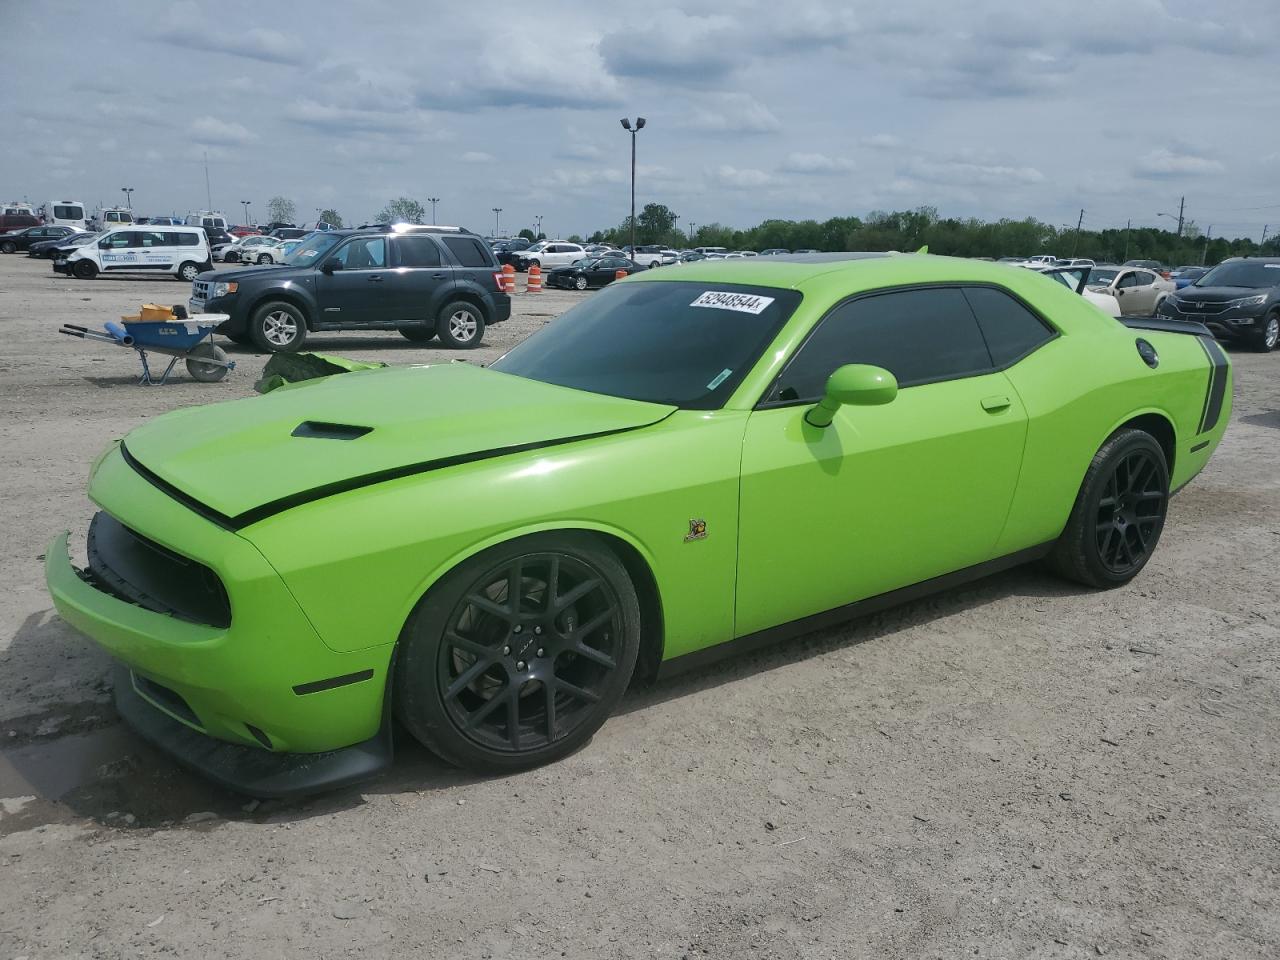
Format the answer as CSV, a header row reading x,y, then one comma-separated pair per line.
x,y
741,302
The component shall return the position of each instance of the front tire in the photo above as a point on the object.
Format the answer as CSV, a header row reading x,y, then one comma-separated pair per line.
x,y
460,325
1270,334
85,270
1118,515
263,259
278,327
580,283
517,656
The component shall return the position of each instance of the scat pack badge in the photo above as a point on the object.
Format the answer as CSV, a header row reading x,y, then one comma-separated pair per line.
x,y
697,531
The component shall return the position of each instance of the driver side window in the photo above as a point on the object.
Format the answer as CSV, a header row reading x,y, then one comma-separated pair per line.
x,y
362,253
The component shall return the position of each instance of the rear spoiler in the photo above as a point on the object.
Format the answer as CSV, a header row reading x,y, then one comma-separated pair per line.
x,y
1168,326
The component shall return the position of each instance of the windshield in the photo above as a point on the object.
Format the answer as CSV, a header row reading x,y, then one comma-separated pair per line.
x,y
1242,273
620,341
61,212
1102,278
309,252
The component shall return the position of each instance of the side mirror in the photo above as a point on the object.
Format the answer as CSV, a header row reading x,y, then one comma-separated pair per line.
x,y
330,265
858,384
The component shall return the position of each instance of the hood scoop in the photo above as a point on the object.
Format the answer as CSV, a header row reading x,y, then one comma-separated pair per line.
x,y
320,430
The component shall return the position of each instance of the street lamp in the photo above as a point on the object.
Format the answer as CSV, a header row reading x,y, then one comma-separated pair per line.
x,y
1170,216
433,201
128,197
691,226
537,226
626,125
496,211
245,204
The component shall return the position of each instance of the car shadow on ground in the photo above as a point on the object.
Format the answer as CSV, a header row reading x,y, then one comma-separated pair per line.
x,y
96,769
325,343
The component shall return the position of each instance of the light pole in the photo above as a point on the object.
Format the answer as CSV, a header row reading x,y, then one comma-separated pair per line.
x,y
496,211
626,125
537,227
128,197
1172,217
691,226
245,204
433,201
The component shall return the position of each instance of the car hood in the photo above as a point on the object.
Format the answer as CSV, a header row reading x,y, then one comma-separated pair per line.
x,y
1221,294
245,460
278,272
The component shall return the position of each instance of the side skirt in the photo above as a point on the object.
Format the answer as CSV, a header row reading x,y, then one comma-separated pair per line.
x,y
859,608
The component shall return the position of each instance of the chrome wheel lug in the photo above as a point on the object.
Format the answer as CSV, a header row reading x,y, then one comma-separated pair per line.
x,y
537,630
541,652
506,651
520,664
517,628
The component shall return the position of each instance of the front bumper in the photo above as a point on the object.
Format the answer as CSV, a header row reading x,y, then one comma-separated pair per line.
x,y
1230,324
237,322
266,683
61,266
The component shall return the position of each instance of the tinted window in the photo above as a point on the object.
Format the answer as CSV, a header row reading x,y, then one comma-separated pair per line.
x,y
188,240
153,239
469,251
418,252
363,253
121,238
1142,279
1010,329
1128,280
917,335
620,342
61,212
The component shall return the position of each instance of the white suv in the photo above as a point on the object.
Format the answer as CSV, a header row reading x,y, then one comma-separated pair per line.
x,y
551,253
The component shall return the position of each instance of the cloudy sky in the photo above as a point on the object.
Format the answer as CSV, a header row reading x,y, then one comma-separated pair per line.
x,y
760,109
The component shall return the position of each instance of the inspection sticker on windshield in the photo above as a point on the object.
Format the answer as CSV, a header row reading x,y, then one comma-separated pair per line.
x,y
741,302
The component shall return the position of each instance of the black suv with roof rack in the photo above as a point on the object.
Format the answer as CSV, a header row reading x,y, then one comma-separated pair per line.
x,y
424,282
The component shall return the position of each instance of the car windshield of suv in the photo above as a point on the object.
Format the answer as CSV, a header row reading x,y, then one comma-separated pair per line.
x,y
620,341
1242,274
311,250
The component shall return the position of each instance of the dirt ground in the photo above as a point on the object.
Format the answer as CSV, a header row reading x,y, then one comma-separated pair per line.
x,y
1018,768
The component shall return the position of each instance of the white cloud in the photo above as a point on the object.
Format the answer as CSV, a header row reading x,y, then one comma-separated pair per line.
x,y
964,170
882,141
211,130
477,156
742,179
1164,162
730,113
815,163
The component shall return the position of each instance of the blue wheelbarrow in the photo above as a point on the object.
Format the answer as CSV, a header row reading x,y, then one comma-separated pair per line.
x,y
186,339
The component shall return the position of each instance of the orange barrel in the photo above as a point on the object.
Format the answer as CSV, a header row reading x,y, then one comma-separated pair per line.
x,y
619,274
508,278
535,280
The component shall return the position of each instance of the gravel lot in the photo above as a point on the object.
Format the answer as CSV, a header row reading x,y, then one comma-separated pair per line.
x,y
1018,768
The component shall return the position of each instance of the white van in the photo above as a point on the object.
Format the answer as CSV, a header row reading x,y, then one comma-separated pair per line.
x,y
109,217
181,252
68,213
207,218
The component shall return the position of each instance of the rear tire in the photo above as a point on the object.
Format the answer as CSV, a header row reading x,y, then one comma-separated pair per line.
x,y
85,269
202,371
1118,515
189,271
418,334
8,247
498,686
460,326
278,327
1269,336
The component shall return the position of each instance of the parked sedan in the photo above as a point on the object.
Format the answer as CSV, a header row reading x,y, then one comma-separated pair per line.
x,y
688,464
1140,291
22,239
774,252
59,248
597,272
249,249
1185,276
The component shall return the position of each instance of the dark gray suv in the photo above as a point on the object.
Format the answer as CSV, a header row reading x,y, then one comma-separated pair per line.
x,y
425,282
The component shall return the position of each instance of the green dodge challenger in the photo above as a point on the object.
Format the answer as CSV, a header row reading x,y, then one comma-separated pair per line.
x,y
691,462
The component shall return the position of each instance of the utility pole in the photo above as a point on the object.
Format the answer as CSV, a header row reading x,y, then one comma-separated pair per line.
x,y
1079,223
1204,254
496,211
1127,225
1264,234
433,201
208,194
691,226
1182,206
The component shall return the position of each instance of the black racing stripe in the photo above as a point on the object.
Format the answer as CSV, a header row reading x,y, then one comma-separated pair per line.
x,y
213,516
315,686
1217,384
1200,446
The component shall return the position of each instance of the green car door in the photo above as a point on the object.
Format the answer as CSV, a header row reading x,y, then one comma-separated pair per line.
x,y
885,496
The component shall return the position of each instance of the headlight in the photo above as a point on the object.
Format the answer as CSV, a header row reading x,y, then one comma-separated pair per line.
x,y
1249,301
222,289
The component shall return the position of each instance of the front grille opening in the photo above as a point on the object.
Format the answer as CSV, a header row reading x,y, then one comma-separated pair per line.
x,y
259,735
166,699
127,565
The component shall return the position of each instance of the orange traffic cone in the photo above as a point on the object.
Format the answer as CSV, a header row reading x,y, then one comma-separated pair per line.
x,y
619,274
508,278
534,284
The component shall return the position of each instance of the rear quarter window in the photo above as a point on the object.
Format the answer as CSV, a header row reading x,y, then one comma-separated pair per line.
x,y
1010,329
468,251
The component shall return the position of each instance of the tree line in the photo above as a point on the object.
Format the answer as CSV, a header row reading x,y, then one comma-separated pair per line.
x,y
949,236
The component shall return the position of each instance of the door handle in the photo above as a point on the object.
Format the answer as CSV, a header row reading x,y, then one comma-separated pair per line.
x,y
375,278
995,404
439,276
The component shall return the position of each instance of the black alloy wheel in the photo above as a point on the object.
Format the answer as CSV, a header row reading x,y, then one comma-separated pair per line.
x,y
1118,515
1131,513
521,654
